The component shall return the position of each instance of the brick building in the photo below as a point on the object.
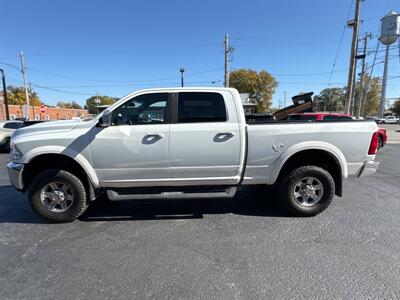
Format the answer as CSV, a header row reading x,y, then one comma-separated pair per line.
x,y
52,113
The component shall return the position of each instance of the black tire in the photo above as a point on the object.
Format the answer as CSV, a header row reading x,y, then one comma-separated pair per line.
x,y
380,143
6,146
293,178
75,186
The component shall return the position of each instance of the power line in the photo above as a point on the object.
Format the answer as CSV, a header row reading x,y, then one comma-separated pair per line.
x,y
121,81
309,74
340,44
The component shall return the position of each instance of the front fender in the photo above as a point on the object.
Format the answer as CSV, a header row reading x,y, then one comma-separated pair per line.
x,y
79,158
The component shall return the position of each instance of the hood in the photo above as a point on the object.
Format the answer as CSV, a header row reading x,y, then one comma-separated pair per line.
x,y
51,126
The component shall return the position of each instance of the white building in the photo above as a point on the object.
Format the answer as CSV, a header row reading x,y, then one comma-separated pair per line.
x,y
249,105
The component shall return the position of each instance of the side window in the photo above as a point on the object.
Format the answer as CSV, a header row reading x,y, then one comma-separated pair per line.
x,y
196,107
143,109
12,125
337,118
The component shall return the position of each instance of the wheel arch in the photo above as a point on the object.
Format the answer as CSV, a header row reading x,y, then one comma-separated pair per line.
x,y
322,155
55,159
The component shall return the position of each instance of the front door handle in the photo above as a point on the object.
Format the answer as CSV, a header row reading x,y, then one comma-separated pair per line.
x,y
223,136
152,138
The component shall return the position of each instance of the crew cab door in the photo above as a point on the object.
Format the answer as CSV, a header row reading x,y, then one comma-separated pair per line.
x,y
134,151
205,139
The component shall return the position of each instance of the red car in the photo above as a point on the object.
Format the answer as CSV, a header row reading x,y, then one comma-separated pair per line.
x,y
335,117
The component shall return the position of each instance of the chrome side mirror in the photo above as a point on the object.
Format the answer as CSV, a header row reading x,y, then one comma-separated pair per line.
x,y
105,119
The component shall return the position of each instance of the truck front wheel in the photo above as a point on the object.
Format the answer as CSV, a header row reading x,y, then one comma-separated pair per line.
x,y
307,191
58,196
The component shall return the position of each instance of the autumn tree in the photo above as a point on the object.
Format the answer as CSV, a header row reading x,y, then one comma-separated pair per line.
x,y
103,100
259,85
372,99
332,99
16,96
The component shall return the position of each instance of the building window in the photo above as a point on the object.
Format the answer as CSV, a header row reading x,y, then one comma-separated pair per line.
x,y
37,117
12,117
47,117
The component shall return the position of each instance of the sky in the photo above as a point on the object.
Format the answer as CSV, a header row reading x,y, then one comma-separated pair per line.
x,y
75,49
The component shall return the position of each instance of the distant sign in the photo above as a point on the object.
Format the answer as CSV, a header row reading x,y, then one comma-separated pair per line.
x,y
390,28
42,109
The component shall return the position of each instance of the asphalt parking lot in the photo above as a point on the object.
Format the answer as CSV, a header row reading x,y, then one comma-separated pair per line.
x,y
242,248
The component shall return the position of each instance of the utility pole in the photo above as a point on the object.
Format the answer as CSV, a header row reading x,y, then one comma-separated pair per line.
x,y
384,80
284,99
3,76
362,56
227,50
25,85
355,24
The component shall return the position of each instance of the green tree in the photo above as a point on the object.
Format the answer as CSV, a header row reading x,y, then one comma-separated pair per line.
x,y
330,99
104,100
260,86
16,96
72,104
396,107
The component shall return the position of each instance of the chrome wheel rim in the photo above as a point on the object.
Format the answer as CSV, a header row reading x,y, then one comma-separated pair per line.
x,y
308,191
57,196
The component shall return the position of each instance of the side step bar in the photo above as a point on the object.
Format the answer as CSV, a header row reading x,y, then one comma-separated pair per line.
x,y
122,195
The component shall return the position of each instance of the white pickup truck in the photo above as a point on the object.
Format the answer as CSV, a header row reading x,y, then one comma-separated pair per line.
x,y
185,143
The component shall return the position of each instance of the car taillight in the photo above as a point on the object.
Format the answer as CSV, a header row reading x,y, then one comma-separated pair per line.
x,y
373,146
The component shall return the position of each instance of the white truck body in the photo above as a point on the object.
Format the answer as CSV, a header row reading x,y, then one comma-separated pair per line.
x,y
182,154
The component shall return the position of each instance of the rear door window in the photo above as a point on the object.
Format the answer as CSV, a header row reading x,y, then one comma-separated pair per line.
x,y
196,107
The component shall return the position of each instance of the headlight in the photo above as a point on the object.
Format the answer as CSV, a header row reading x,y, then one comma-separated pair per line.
x,y
16,155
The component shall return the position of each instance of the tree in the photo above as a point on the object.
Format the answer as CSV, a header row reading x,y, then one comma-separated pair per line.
x,y
104,100
396,107
72,104
372,98
330,99
260,86
16,96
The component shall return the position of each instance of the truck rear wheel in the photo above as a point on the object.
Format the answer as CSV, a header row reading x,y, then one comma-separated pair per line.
x,y
57,196
307,191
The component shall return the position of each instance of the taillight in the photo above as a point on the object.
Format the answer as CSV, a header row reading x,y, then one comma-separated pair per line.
x,y
373,146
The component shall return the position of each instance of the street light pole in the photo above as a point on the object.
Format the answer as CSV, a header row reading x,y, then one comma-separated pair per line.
x,y
5,94
182,70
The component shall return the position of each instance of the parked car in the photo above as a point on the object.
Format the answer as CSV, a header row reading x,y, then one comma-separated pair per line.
x,y
185,143
389,120
320,116
382,136
6,130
